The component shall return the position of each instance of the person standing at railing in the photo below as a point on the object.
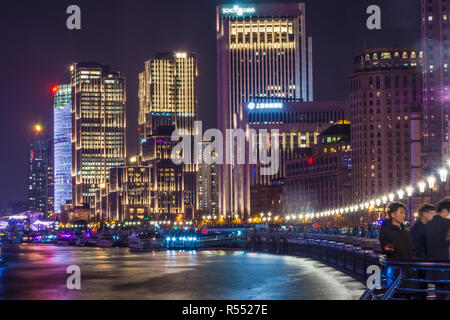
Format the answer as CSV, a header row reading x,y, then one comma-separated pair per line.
x,y
395,240
426,213
437,233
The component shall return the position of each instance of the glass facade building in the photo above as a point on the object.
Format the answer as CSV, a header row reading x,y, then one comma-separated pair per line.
x,y
98,128
62,145
40,176
168,98
263,52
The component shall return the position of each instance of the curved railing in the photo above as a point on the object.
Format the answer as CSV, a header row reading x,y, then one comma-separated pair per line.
x,y
411,279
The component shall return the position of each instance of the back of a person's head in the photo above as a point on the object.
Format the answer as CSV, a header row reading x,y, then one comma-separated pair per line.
x,y
443,205
393,207
426,208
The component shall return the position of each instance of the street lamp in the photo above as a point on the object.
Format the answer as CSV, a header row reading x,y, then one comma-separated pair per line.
x,y
431,181
443,174
422,186
409,191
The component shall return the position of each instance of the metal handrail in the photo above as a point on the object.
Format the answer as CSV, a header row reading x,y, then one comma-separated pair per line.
x,y
402,266
417,263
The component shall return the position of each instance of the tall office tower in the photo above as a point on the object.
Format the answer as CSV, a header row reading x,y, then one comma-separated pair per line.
x,y
98,127
39,177
207,196
262,52
436,102
168,97
62,145
50,180
385,89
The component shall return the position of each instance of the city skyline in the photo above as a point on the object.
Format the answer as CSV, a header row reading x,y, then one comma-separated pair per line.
x,y
320,21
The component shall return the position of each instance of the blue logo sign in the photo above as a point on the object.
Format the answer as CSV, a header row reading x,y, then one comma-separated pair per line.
x,y
264,105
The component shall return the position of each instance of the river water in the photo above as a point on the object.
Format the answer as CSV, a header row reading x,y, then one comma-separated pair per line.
x,y
39,272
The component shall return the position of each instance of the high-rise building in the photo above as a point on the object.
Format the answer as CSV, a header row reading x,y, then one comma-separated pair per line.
x,y
262,52
207,196
98,127
385,89
62,144
168,98
40,175
436,100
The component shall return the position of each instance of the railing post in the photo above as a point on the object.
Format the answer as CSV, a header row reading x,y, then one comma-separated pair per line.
x,y
344,247
394,286
364,262
354,258
308,251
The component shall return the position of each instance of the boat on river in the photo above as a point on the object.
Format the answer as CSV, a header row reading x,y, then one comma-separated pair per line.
x,y
145,241
105,240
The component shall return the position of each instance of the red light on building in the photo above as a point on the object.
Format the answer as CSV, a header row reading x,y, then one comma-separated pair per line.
x,y
55,89
37,128
311,160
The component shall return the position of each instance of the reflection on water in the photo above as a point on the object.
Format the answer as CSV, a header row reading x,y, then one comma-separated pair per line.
x,y
39,272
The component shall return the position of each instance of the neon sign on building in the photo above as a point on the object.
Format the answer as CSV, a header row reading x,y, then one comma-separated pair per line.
x,y
238,10
264,105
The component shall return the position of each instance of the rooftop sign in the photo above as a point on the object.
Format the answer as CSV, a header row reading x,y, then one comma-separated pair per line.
x,y
236,10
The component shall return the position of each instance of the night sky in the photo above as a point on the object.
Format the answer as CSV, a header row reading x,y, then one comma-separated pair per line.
x,y
37,49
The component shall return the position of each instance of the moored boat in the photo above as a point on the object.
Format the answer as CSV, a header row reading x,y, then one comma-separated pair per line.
x,y
145,241
105,240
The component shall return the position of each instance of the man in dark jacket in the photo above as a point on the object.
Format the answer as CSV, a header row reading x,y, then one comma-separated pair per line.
x,y
395,240
437,233
426,213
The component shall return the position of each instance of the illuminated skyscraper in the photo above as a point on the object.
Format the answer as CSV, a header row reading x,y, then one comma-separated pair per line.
x,y
436,101
385,90
40,176
262,52
98,127
168,98
62,145
207,195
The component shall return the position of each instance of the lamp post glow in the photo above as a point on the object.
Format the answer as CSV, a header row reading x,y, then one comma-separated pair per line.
x,y
422,186
409,191
431,181
391,197
443,174
401,194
